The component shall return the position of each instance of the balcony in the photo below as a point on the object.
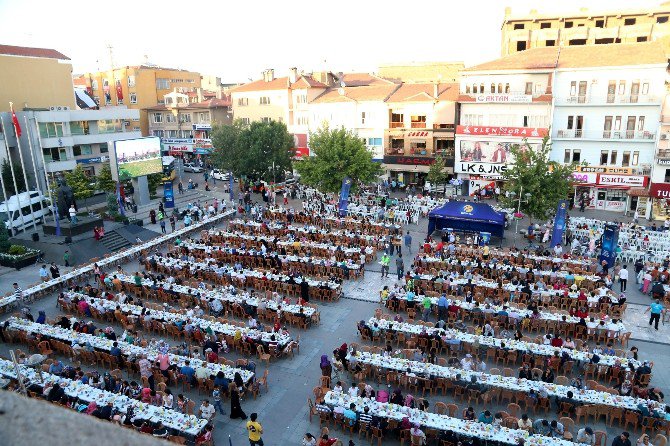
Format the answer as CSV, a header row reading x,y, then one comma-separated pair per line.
x,y
609,99
396,125
628,134
663,154
418,124
445,127
570,133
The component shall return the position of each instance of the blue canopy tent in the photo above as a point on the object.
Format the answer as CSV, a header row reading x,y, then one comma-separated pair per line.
x,y
467,217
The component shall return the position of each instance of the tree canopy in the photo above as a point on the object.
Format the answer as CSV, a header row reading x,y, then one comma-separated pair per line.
x,y
251,150
104,181
533,173
9,181
80,184
338,153
437,173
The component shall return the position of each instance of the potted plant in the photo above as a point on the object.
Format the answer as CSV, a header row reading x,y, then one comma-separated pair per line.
x,y
18,257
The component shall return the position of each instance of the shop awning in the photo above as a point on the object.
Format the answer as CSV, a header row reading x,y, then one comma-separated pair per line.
x,y
638,192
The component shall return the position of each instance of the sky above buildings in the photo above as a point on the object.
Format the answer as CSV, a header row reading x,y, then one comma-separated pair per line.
x,y
238,39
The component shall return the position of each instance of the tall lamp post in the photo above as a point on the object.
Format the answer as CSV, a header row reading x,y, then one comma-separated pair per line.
x,y
518,207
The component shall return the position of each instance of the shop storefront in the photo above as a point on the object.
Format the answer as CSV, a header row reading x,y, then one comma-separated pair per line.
x,y
483,153
408,170
660,195
187,149
606,189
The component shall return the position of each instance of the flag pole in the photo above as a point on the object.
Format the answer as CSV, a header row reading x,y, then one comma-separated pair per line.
x,y
46,176
2,179
32,158
25,180
11,167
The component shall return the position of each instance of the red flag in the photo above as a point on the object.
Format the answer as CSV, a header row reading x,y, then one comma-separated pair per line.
x,y
15,120
119,91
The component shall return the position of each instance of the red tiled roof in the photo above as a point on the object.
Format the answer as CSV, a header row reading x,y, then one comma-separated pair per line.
x,y
424,92
364,79
582,56
45,53
307,82
358,94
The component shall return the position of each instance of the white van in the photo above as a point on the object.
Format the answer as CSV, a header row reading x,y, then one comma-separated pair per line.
x,y
20,216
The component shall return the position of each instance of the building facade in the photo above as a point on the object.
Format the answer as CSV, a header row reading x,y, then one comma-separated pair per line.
x,y
584,27
137,87
185,128
659,189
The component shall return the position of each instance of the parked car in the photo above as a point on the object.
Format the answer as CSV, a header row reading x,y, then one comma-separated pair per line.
x,y
219,175
190,167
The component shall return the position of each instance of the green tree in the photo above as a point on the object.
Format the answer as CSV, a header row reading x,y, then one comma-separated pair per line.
x,y
437,171
533,173
4,239
9,181
80,184
262,150
104,181
338,153
154,181
112,205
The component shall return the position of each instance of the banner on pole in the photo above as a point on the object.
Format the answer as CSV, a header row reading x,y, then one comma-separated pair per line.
x,y
168,193
344,196
610,242
231,183
559,223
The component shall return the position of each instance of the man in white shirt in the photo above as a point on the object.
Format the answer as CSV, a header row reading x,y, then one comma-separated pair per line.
x,y
466,363
558,250
207,410
353,390
623,278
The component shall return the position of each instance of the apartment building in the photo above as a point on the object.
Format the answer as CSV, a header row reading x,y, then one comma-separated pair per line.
x,y
185,127
521,32
659,189
137,87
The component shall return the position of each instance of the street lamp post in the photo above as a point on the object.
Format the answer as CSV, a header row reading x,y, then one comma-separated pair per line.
x,y
518,208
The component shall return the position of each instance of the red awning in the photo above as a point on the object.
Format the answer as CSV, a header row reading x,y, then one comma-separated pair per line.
x,y
301,152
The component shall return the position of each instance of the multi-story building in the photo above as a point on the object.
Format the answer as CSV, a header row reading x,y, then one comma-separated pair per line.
x,y
283,99
502,103
420,128
34,78
357,104
55,135
137,87
607,109
184,128
659,189
585,27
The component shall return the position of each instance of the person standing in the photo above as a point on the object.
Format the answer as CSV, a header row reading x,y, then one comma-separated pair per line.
x,y
235,406
163,226
53,269
656,309
66,258
152,216
255,430
639,266
385,262
172,222
623,278
400,266
44,274
408,241
73,214
180,187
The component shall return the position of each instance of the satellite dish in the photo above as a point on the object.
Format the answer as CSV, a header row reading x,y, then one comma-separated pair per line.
x,y
340,91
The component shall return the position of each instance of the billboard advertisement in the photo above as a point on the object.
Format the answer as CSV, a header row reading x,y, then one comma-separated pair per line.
x,y
486,157
136,157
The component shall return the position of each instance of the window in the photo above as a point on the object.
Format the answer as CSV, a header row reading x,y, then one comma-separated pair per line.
x,y
133,98
79,128
629,22
51,129
245,121
363,118
529,88
131,81
613,156
158,133
571,122
170,117
162,84
94,84
374,141
303,120
242,102
604,154
550,42
109,125
603,41
481,88
470,119
493,88
600,23
83,149
574,42
418,147
172,133
203,116
506,88
525,121
396,120
645,88
186,134
519,26
475,89
573,88
567,157
545,25
500,88
568,24
640,123
642,38
397,145
264,100
184,117
418,121
625,159
636,158
158,118
662,19
467,89
576,155
119,101
103,147
617,123
301,99
521,45
266,119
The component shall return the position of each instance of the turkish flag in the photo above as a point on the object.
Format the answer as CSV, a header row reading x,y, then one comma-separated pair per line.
x,y
119,92
17,126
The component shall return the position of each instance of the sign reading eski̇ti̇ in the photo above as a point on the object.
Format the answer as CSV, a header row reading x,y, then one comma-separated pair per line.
x,y
136,157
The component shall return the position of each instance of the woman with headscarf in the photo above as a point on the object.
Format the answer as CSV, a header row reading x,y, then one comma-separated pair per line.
x,y
409,401
397,397
403,426
239,382
326,366
92,407
342,355
235,407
